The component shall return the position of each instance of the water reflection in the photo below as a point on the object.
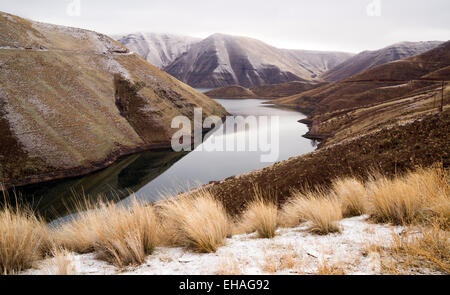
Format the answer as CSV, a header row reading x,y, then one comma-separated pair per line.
x,y
56,199
156,175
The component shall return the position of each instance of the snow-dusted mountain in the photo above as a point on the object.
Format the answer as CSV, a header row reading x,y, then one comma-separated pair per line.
x,y
370,59
222,60
158,49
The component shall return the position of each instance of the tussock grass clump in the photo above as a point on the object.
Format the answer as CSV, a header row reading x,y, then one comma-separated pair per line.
x,y
119,235
62,263
352,195
23,239
321,210
325,269
417,249
260,216
418,197
430,248
198,222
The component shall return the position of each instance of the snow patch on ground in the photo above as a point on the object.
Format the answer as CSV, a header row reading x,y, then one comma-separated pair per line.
x,y
114,67
247,254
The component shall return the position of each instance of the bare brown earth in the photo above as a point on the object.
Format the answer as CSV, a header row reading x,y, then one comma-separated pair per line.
x,y
72,101
264,91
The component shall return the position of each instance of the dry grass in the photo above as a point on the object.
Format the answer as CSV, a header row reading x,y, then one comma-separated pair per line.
x,y
417,250
321,210
23,239
352,195
198,222
418,197
125,236
325,269
261,216
119,235
428,249
229,266
62,263
282,257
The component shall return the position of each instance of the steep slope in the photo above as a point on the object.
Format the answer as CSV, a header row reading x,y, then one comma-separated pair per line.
x,y
264,91
158,49
369,59
380,84
222,60
72,101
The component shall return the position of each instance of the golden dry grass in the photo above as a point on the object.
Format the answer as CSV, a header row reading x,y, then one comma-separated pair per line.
x,y
430,248
126,235
352,195
23,239
424,249
62,263
260,216
229,266
321,210
418,197
326,269
198,222
119,235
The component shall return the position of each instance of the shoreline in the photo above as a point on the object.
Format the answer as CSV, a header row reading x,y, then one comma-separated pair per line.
x,y
90,168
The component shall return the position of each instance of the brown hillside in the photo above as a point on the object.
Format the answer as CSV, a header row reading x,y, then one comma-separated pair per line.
x,y
234,91
376,85
265,91
390,150
370,59
72,101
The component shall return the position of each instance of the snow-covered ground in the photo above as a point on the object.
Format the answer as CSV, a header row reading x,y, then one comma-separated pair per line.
x,y
292,251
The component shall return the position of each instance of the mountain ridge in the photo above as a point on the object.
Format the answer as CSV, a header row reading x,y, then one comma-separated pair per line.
x,y
159,49
369,59
378,84
222,60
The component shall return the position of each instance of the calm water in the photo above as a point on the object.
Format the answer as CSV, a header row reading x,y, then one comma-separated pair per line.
x,y
155,175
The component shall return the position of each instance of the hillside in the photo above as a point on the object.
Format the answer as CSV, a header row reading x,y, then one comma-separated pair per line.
x,y
380,84
264,91
158,49
72,101
369,59
233,91
223,60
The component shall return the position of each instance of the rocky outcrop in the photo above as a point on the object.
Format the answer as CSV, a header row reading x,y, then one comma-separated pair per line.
x,y
223,60
158,49
369,59
81,103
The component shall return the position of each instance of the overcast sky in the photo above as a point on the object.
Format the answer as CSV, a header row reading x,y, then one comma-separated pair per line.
x,y
345,25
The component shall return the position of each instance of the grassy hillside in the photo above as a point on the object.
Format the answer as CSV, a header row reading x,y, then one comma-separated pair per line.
x,y
264,91
376,85
73,101
370,59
